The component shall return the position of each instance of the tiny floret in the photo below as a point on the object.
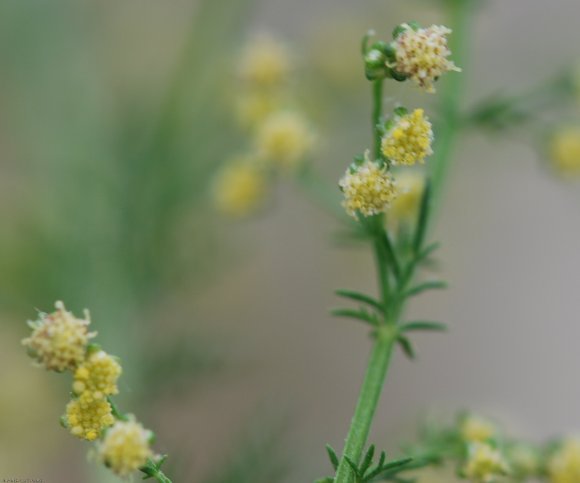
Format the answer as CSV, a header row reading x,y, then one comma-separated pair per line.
x,y
265,62
284,139
368,189
239,188
408,140
59,340
421,54
125,447
564,465
476,429
484,463
87,416
97,375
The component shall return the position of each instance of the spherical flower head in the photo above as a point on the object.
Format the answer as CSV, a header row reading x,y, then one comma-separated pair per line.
x,y
59,340
265,62
240,188
565,151
484,463
97,375
255,106
408,139
564,465
476,429
125,447
284,139
405,207
421,54
87,416
368,189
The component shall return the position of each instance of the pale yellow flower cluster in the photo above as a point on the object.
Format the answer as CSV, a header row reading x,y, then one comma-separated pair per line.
x,y
565,151
421,55
281,136
409,140
240,187
59,340
564,465
484,463
368,189
475,429
125,447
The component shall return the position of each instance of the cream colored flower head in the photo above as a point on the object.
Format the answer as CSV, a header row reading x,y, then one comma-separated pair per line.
x,y
240,188
564,465
125,447
421,54
265,62
484,463
408,139
59,340
368,188
476,429
565,151
97,375
87,416
284,140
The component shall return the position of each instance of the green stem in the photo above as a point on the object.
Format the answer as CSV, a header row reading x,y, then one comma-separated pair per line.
x,y
377,113
451,91
367,402
162,478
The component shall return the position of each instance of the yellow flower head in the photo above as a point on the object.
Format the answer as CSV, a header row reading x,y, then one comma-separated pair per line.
x,y
284,139
265,62
475,429
484,463
59,340
125,447
405,207
368,189
565,151
564,466
421,54
97,375
408,140
254,107
239,188
87,416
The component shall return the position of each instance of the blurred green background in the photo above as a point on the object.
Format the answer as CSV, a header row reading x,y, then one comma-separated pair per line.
x,y
114,117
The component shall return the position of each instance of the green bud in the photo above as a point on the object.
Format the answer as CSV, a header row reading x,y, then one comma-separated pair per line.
x,y
397,75
401,111
374,59
414,25
399,29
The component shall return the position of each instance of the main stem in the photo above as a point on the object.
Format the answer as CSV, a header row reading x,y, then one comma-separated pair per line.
x,y
386,335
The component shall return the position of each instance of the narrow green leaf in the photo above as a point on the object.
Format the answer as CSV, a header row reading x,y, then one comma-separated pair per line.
x,y
406,346
355,314
360,297
368,459
353,466
391,254
332,456
429,249
423,218
378,468
327,479
422,287
423,325
397,464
